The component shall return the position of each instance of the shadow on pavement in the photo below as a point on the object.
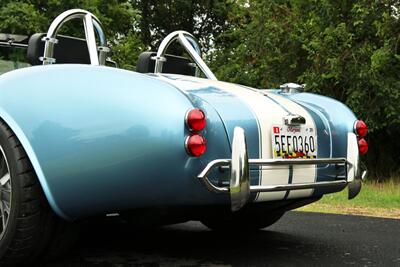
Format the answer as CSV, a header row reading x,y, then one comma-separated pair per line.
x,y
290,242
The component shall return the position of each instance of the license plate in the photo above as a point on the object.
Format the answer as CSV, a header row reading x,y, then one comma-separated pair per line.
x,y
294,142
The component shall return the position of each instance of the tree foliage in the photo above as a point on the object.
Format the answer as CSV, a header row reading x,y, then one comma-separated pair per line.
x,y
348,50
262,48
205,19
119,19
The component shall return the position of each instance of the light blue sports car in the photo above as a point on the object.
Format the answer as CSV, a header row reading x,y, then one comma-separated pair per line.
x,y
80,138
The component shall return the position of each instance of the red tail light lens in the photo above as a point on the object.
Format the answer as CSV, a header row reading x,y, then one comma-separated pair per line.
x,y
196,145
196,120
362,146
361,128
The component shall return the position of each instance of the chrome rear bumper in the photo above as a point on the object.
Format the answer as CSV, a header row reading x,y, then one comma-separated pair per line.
x,y
239,166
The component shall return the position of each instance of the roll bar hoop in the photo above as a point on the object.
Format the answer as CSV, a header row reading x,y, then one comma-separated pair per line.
x,y
91,24
191,46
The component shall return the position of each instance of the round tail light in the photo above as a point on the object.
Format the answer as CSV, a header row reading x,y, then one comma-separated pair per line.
x,y
196,145
361,128
196,120
362,146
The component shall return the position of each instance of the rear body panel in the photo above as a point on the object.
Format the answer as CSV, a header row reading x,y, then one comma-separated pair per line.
x,y
332,120
104,140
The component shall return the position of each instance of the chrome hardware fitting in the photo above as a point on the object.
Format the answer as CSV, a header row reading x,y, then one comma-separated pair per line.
x,y
294,120
50,40
160,59
47,60
103,49
291,88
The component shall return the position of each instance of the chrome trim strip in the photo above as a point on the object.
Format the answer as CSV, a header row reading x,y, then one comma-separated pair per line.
x,y
11,44
355,128
274,188
274,162
364,175
271,162
226,163
91,24
204,179
190,44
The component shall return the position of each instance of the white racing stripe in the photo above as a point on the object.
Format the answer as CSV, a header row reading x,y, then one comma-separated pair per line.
x,y
268,113
265,108
301,174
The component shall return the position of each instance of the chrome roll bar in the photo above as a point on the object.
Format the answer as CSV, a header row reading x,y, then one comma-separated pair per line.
x,y
191,46
239,166
91,24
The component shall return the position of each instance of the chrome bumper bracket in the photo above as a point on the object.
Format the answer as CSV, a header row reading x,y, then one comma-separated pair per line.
x,y
239,166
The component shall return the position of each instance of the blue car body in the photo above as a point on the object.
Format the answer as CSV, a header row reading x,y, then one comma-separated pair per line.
x,y
102,139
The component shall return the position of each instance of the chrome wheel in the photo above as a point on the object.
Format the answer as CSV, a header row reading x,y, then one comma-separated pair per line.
x,y
5,193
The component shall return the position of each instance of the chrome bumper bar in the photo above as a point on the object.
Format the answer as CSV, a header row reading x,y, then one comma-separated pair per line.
x,y
239,166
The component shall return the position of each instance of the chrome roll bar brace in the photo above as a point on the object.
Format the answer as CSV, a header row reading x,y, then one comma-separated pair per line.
x,y
239,165
91,24
191,46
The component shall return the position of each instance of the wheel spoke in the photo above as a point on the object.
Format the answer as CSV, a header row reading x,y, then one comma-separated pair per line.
x,y
5,193
5,179
5,220
3,217
6,207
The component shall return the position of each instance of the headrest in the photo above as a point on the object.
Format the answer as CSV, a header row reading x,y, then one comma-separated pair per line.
x,y
174,64
67,50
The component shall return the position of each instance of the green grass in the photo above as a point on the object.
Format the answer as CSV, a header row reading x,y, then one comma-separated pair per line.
x,y
373,195
375,199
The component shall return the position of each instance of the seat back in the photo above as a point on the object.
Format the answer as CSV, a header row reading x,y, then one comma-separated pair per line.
x,y
68,50
173,64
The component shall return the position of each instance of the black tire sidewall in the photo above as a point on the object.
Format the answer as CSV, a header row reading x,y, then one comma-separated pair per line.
x,y
34,231
9,151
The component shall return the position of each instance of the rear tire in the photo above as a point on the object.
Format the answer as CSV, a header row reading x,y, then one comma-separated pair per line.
x,y
29,228
242,221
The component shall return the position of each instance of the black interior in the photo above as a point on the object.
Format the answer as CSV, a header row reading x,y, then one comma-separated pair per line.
x,y
70,50
174,64
67,50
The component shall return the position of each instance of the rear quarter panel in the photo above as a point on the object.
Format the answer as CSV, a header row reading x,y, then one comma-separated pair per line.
x,y
104,140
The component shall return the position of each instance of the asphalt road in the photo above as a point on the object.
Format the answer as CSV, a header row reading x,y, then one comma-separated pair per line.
x,y
298,239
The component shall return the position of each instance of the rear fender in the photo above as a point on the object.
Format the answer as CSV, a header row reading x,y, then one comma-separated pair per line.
x,y
102,139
